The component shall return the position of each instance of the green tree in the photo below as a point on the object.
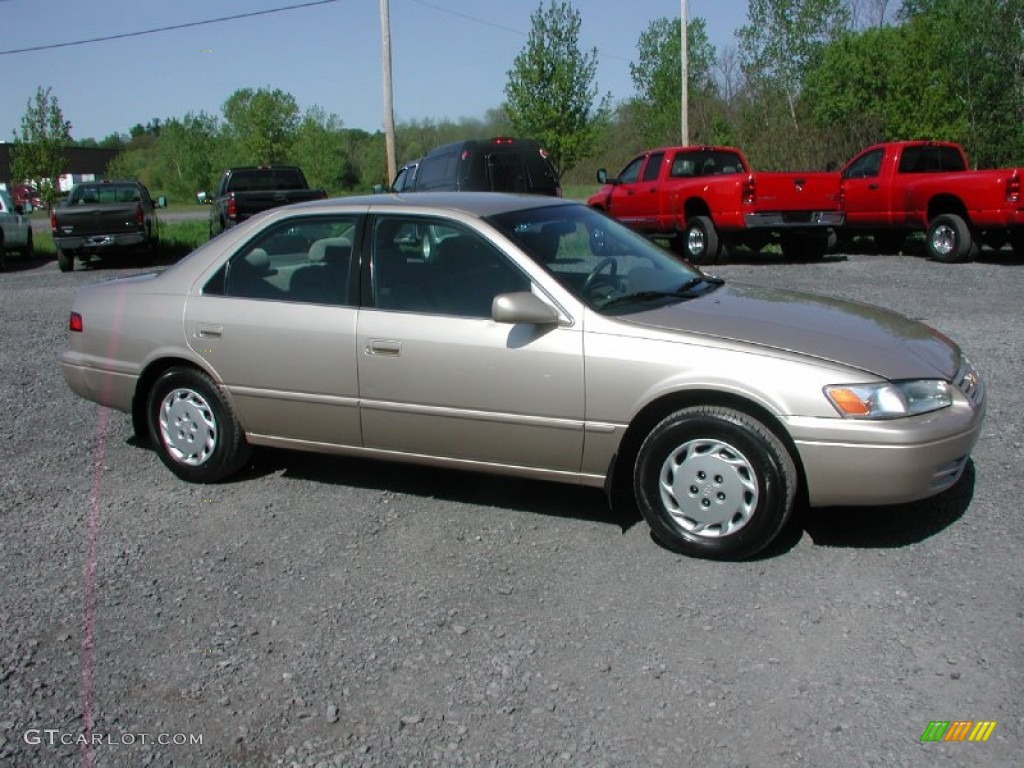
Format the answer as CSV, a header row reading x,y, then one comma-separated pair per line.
x,y
657,77
260,125
38,155
319,149
551,90
186,155
783,38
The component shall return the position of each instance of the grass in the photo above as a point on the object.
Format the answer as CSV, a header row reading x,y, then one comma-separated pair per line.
x,y
177,239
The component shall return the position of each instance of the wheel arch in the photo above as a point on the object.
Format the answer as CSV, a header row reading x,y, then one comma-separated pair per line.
x,y
946,203
620,472
153,371
696,206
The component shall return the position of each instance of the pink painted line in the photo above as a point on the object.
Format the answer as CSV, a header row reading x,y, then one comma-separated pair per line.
x,y
92,526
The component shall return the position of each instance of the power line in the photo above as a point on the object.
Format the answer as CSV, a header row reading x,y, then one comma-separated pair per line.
x,y
167,29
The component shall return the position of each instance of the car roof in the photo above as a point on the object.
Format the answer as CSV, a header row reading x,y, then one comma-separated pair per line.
x,y
481,204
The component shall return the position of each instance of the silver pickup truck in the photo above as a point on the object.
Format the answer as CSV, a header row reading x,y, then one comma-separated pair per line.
x,y
102,216
15,228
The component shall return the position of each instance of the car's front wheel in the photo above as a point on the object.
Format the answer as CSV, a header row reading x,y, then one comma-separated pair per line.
x,y
699,242
714,482
193,427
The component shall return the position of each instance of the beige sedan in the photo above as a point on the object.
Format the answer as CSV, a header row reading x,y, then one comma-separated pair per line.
x,y
532,337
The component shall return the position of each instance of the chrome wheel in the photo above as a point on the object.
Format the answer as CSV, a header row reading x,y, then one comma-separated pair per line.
x,y
709,488
944,240
188,427
696,242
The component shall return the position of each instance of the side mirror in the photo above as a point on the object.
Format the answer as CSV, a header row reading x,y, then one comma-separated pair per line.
x,y
378,188
602,176
19,208
522,307
161,202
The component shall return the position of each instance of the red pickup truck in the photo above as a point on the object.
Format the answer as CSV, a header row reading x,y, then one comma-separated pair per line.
x,y
895,188
705,198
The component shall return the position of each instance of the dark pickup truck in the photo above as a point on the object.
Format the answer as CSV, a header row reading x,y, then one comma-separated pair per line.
x,y
244,192
104,216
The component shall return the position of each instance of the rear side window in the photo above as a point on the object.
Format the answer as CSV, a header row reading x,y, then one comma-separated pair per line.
x,y
437,172
927,159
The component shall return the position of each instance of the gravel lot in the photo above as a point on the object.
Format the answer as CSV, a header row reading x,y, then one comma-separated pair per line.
x,y
329,612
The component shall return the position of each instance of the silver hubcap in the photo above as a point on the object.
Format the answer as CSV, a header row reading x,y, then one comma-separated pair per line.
x,y
187,427
695,241
709,488
943,239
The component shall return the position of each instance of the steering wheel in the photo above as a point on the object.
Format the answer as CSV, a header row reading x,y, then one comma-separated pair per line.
x,y
592,277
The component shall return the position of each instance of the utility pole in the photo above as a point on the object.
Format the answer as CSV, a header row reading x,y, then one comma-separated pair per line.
x,y
389,100
685,83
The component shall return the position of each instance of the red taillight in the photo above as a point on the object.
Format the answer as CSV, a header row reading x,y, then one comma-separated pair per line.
x,y
75,323
53,221
749,190
1013,188
232,207
139,218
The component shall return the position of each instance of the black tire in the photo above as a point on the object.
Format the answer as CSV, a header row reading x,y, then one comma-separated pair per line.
x,y
699,242
65,260
950,239
721,460
889,243
193,427
1017,242
29,249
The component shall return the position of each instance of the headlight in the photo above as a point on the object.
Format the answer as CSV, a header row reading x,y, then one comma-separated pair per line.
x,y
890,400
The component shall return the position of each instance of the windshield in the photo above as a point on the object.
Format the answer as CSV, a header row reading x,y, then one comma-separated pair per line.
x,y
611,268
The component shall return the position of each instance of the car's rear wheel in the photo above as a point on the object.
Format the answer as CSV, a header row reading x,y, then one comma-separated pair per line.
x,y
950,239
714,482
65,260
193,427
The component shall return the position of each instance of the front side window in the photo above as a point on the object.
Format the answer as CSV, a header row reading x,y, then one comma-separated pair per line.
x,y
603,263
301,260
436,267
866,166
631,172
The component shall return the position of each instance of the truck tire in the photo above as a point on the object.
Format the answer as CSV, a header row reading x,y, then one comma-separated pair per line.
x,y
1017,242
29,251
65,260
699,242
950,239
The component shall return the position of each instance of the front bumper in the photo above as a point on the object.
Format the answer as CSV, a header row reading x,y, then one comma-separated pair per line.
x,y
862,463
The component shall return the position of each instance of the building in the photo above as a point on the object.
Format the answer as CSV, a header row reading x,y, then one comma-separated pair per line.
x,y
84,164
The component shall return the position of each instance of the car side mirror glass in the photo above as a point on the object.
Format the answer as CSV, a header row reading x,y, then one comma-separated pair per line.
x,y
522,307
602,175
378,188
161,202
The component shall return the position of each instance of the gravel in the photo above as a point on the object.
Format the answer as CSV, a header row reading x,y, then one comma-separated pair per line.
x,y
321,611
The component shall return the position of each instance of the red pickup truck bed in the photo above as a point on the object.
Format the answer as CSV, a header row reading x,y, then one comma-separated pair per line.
x,y
704,198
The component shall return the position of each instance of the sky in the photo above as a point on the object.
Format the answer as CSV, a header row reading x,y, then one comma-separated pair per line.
x,y
450,58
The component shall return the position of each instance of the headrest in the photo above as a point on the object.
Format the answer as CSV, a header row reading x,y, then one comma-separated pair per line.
x,y
258,259
330,249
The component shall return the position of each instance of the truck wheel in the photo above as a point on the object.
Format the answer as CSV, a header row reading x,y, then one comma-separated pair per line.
x,y
699,242
1017,242
950,239
65,260
889,242
714,482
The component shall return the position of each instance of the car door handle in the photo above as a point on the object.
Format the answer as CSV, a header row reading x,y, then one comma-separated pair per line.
x,y
872,186
384,348
206,331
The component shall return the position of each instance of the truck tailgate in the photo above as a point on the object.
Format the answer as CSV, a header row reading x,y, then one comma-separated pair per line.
x,y
818,191
84,220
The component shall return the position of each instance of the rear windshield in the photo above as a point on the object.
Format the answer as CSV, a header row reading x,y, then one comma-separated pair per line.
x,y
106,193
706,162
266,178
511,169
927,159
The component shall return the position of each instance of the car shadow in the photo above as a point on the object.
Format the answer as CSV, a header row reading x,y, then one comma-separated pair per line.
x,y
535,496
14,262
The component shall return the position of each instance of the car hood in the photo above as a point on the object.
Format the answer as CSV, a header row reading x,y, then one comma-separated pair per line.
x,y
850,333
